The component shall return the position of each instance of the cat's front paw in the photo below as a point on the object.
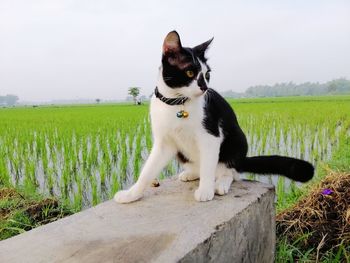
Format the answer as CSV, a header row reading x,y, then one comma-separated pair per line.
x,y
186,176
126,196
204,194
222,185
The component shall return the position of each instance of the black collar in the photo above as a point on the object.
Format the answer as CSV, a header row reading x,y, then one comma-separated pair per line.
x,y
170,101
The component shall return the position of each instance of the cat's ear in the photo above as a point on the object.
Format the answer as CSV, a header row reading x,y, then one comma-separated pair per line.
x,y
172,43
200,49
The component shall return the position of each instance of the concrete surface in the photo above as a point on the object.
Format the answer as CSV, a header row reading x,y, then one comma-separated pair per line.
x,y
167,225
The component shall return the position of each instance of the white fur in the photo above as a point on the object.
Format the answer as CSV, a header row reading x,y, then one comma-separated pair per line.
x,y
224,178
185,135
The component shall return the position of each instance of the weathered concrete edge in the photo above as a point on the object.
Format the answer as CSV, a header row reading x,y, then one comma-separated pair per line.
x,y
220,246
210,241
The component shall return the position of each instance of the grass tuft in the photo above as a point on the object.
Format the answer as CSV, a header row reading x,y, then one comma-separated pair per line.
x,y
322,217
21,211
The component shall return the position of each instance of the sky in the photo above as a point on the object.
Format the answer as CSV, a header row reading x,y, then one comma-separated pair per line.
x,y
83,49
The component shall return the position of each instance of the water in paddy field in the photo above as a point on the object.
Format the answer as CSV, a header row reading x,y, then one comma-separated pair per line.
x,y
86,170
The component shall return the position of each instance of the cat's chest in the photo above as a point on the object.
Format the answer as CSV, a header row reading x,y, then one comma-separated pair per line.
x,y
166,121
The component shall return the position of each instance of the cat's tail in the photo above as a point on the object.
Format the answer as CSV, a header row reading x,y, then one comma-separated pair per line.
x,y
292,168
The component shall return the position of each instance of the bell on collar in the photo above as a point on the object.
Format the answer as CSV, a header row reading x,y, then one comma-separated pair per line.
x,y
182,114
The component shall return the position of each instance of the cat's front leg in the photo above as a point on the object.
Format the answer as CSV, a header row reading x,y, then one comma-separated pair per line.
x,y
160,155
209,149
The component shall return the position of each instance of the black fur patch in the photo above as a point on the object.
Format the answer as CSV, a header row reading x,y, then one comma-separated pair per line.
x,y
201,82
233,150
201,49
174,73
220,116
292,168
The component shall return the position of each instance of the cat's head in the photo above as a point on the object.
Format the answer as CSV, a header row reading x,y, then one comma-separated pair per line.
x,y
184,70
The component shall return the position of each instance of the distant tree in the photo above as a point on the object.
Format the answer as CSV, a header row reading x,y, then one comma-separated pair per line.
x,y
134,92
9,100
98,101
338,86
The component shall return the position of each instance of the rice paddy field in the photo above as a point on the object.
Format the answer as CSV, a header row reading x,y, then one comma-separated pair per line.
x,y
83,154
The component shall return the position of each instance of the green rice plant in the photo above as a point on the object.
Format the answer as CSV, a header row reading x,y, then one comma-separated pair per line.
x,y
115,185
50,181
102,173
94,190
57,150
137,154
78,195
5,179
281,188
30,181
123,159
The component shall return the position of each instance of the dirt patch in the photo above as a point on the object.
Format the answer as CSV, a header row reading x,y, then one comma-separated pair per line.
x,y
20,213
45,211
323,216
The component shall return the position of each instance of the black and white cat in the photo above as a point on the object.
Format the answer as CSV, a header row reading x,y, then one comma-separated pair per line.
x,y
194,123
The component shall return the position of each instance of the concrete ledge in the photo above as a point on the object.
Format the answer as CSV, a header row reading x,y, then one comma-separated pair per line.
x,y
167,225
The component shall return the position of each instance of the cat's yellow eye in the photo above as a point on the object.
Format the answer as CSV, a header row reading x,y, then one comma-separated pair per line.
x,y
190,73
207,76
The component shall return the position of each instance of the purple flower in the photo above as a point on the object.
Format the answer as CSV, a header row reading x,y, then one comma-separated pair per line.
x,y
327,191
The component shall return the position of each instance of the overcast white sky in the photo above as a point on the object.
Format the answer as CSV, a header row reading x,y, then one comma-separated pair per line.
x,y
97,49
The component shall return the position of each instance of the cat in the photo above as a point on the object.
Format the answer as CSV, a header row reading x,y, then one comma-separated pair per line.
x,y
196,124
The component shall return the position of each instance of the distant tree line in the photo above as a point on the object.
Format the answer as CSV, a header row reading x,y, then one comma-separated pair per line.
x,y
337,86
8,100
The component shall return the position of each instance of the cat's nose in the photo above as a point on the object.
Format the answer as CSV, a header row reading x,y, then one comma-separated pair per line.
x,y
201,82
